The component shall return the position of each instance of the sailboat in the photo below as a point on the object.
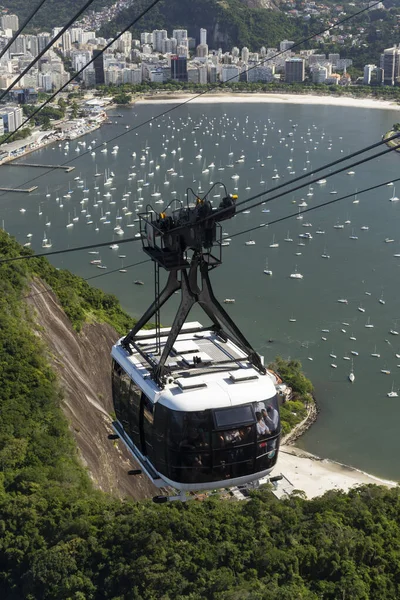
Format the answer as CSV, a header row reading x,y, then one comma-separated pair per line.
x,y
368,324
375,354
288,238
274,244
296,274
352,377
266,270
394,198
394,330
381,300
325,254
392,393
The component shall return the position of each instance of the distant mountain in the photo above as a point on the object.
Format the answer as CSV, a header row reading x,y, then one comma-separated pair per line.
x,y
228,22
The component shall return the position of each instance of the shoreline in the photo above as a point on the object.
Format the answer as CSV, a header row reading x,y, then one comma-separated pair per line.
x,y
314,475
277,98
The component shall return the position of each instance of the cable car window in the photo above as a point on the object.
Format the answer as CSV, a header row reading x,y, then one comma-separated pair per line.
x,y
148,420
267,417
190,430
229,418
124,412
135,394
116,375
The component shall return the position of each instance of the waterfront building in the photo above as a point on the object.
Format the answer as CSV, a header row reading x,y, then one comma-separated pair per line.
x,y
261,73
294,70
230,73
368,69
390,62
319,74
179,68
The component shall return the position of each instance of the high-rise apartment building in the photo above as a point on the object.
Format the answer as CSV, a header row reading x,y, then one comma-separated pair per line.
x,y
43,40
180,35
98,65
390,62
202,51
203,37
10,22
158,36
179,68
294,70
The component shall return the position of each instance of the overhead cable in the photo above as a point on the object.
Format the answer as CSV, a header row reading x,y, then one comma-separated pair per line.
x,y
306,210
49,291
37,58
222,211
98,53
215,86
22,27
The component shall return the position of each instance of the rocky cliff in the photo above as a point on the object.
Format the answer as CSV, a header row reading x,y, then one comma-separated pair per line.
x,y
83,364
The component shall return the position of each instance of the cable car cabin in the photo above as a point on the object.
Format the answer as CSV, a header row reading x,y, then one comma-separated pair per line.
x,y
214,424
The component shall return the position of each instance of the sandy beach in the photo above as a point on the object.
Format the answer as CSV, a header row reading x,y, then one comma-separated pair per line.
x,y
315,476
275,98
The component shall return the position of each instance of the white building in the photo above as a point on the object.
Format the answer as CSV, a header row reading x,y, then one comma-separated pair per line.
x,y
261,73
168,46
10,22
158,36
245,55
180,35
203,36
285,45
146,38
75,33
229,73
319,74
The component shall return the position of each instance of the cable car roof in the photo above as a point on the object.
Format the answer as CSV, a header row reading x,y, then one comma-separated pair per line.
x,y
206,371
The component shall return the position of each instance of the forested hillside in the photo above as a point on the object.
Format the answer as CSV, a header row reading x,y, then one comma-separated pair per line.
x,y
62,540
54,13
228,23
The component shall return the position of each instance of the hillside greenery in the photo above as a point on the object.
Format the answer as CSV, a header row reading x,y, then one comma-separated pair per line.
x,y
52,14
228,22
62,540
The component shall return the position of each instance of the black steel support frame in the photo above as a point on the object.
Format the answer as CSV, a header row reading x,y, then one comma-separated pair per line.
x,y
190,295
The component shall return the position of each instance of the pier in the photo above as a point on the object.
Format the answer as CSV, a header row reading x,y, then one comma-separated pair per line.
x,y
24,190
66,168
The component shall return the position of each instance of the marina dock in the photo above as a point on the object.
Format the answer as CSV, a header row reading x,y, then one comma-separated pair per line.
x,y
24,190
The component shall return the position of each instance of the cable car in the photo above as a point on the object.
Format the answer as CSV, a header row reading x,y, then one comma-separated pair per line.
x,y
194,405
